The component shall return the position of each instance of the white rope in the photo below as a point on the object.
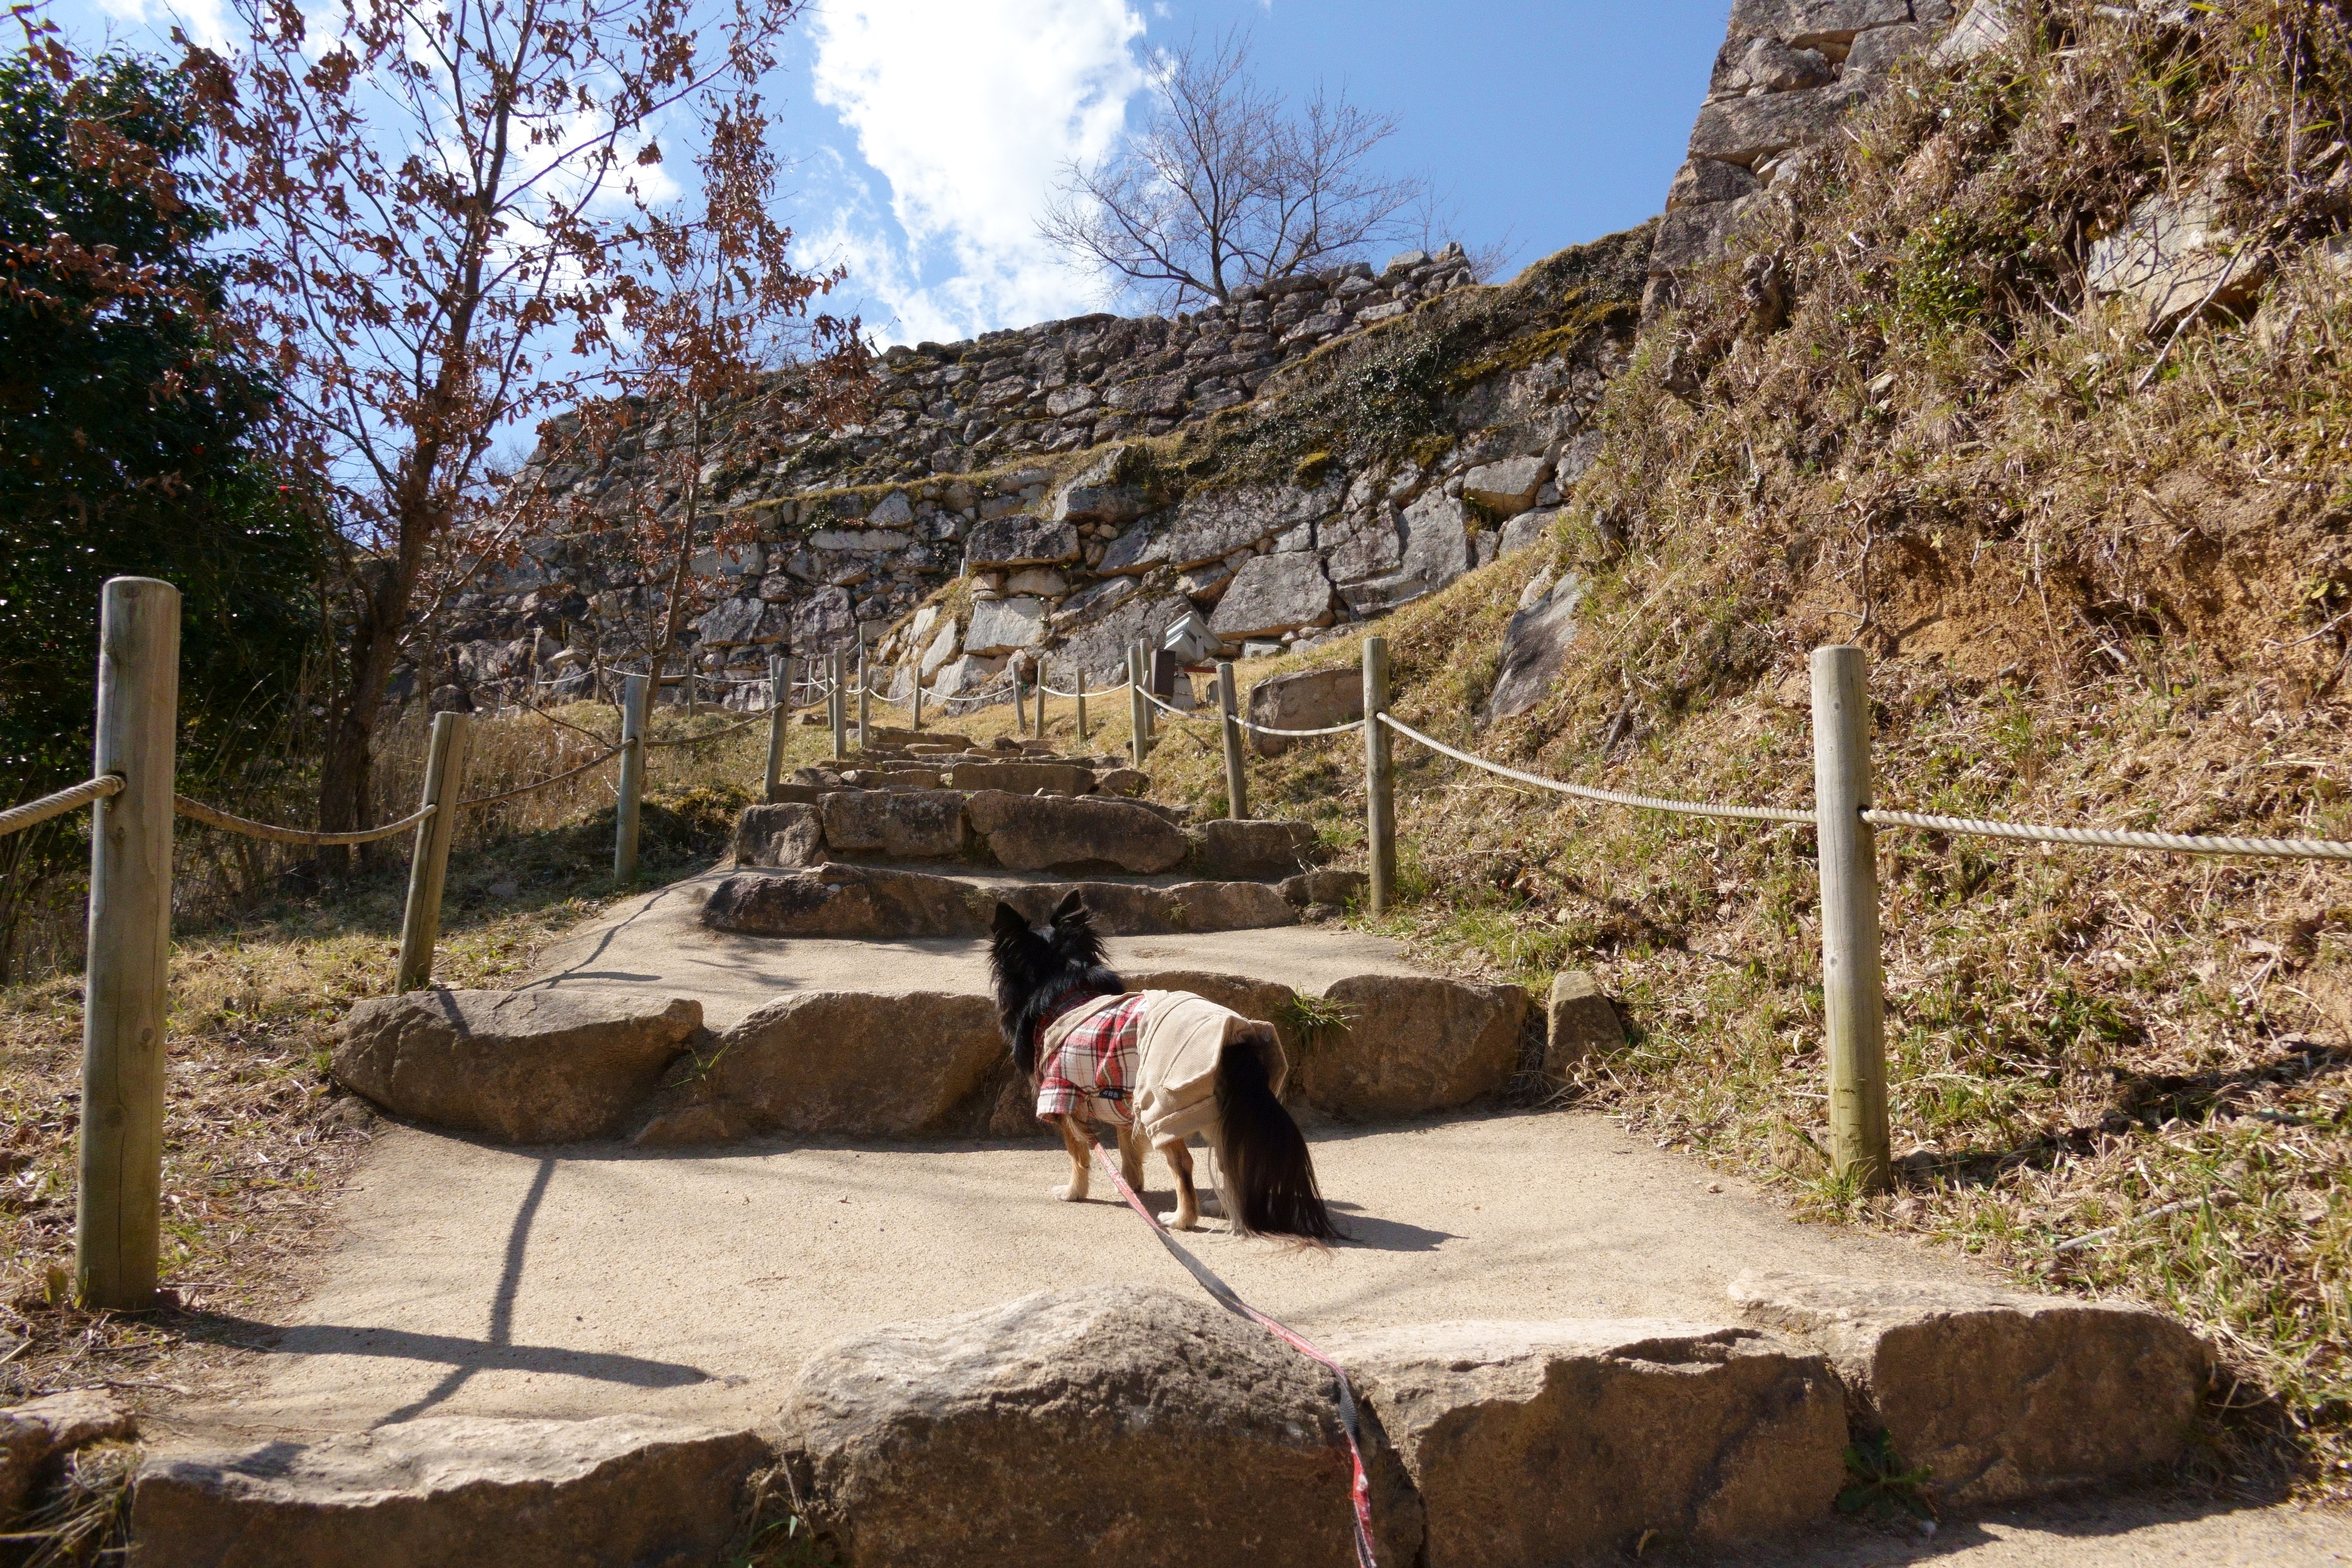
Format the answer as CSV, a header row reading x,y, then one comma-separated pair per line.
x,y
2112,838
1181,713
34,812
1299,734
212,816
1106,692
1608,796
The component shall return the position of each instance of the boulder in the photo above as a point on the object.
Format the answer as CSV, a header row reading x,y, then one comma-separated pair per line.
x,y
1210,525
1537,1444
1809,24
1098,494
521,1067
1507,488
795,793
1271,594
1410,1045
35,1436
1983,27
824,622
1122,1424
1535,644
2000,1395
1435,551
1578,1023
617,1491
1228,906
865,902
1528,528
1691,237
781,834
1039,833
1704,180
1330,888
1128,782
1307,699
2176,259
1771,65
833,1062
1746,130
1020,540
1262,849
903,823
1001,625
1024,778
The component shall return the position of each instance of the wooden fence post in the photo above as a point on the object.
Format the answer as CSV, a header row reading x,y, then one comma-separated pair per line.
x,y
1140,736
864,693
779,699
1237,778
428,863
1853,984
1081,690
915,683
837,699
1380,780
635,693
119,1206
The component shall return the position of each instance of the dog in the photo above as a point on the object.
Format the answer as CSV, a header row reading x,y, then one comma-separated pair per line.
x,y
1157,1066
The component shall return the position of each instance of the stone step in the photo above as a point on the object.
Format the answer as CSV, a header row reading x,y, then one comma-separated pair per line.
x,y
881,903
1025,1431
1020,831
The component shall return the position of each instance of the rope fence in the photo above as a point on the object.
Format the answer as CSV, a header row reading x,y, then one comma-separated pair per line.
x,y
212,816
1606,796
15,819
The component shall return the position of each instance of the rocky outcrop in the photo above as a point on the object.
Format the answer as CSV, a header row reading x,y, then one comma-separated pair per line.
x,y
618,1491
1788,74
1122,1424
522,1067
1577,1441
1999,1396
1534,643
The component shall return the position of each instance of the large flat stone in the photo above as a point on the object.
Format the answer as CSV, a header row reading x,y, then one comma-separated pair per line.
x,y
2176,259
618,1491
1534,645
1041,833
1212,524
834,1062
1003,625
1744,130
1024,778
865,902
1435,551
1575,1441
1271,594
1408,1046
1507,488
522,1067
904,823
1021,540
1304,699
1264,849
1128,909
2000,1395
781,833
1120,1425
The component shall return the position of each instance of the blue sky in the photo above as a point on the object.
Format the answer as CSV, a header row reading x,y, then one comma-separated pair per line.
x,y
925,134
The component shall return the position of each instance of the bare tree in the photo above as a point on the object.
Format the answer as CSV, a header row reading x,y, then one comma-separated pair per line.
x,y
1227,185
441,202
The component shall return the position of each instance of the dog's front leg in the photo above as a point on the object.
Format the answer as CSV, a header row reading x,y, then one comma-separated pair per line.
x,y
1081,1149
1130,1157
1188,1202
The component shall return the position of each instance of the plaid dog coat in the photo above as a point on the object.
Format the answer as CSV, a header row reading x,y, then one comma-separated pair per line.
x,y
1146,1060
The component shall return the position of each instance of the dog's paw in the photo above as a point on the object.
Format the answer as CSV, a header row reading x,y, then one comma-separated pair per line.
x,y
1179,1222
1073,1194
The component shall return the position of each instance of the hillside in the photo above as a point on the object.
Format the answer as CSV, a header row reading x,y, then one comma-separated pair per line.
x,y
1947,396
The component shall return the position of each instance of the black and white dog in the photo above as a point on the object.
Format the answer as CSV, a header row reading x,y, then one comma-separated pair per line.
x,y
1158,1065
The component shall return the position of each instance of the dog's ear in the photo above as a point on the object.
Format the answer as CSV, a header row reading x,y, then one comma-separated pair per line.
x,y
1010,922
1073,910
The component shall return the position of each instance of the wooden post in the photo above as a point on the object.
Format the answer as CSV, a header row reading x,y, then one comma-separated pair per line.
x,y
838,672
428,863
637,693
865,692
914,702
1081,689
1380,780
1236,779
119,1207
1138,737
1853,985
779,722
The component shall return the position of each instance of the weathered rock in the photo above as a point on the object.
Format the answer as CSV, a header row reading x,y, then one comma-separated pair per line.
x,y
1435,551
824,622
1024,778
1123,1424
1507,488
826,1062
1271,594
1983,27
1001,625
1264,849
866,902
1121,781
1021,540
1526,529
1331,888
1701,180
1039,833
1744,130
1535,644
1099,495
2176,259
1691,237
1576,1441
1212,524
1578,1023
1229,906
1411,1045
1808,24
1128,909
785,834
903,823
794,794
619,1492
1771,65
35,1436
522,1067
1307,699
2000,1395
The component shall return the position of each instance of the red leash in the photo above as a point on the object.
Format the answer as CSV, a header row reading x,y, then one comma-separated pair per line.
x,y
1360,1493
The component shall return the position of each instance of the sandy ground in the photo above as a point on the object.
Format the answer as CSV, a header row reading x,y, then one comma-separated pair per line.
x,y
2143,1531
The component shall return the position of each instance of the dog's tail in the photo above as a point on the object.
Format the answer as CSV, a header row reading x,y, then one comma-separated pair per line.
x,y
1269,1180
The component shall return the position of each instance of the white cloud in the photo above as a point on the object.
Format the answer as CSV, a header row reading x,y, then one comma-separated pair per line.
x,y
968,107
205,21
